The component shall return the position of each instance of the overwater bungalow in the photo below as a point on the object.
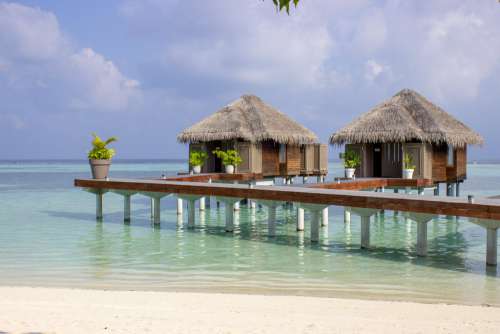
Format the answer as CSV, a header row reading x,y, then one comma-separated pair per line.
x,y
409,123
268,141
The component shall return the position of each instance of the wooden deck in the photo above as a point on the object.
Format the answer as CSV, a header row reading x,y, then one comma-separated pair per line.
x,y
373,183
317,194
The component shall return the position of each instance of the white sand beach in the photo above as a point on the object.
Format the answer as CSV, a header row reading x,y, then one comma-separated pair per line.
x,y
52,310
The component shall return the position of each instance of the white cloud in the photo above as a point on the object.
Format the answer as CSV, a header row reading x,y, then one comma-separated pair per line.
x,y
459,51
36,56
13,120
373,70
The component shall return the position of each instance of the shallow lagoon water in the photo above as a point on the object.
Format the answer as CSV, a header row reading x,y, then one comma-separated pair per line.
x,y
49,237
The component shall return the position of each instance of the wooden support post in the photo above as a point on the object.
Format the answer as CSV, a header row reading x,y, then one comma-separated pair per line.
x,y
422,238
229,209
347,216
421,219
209,199
202,204
98,205
229,217
324,217
449,189
191,213
236,206
365,231
396,191
457,189
126,207
365,215
156,209
179,206
491,246
152,207
252,204
300,219
271,220
315,225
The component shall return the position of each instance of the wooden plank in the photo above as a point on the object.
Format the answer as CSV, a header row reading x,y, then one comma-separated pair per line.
x,y
292,160
270,159
375,183
481,208
215,177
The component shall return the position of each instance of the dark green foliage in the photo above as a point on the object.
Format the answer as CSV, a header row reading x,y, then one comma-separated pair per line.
x,y
99,148
285,4
351,159
197,158
229,157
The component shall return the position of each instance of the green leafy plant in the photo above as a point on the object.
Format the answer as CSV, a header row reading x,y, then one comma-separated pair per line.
x,y
285,4
408,161
229,157
100,149
351,159
197,158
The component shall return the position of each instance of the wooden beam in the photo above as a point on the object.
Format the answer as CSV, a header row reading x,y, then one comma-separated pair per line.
x,y
481,208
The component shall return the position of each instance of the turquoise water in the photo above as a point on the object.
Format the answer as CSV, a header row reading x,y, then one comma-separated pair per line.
x,y
49,237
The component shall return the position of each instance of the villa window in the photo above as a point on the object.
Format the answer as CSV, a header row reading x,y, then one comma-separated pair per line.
x,y
282,153
451,156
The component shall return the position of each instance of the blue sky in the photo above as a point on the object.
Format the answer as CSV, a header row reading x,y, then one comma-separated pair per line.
x,y
145,69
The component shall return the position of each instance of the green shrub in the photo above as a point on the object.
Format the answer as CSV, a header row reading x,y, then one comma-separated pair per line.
x,y
197,158
99,149
351,159
229,157
408,161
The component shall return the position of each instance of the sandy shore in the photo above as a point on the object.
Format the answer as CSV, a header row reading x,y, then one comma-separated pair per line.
x,y
46,310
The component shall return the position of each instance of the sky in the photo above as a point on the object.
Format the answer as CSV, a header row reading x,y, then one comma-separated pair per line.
x,y
143,70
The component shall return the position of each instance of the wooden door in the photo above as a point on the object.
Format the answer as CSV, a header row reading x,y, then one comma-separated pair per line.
x,y
270,159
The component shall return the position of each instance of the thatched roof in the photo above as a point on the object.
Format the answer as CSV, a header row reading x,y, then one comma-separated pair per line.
x,y
404,117
248,118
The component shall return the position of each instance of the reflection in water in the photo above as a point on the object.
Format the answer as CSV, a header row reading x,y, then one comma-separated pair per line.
x,y
66,247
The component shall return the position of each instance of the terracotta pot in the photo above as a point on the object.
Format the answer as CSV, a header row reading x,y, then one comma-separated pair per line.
x,y
229,169
197,169
100,168
349,172
408,173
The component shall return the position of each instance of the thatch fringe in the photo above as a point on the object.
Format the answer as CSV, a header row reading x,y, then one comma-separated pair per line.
x,y
405,117
249,119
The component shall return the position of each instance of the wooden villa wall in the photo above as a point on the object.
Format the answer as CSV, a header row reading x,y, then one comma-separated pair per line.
x,y
308,159
263,158
245,152
422,159
441,172
270,159
359,149
256,158
461,162
293,160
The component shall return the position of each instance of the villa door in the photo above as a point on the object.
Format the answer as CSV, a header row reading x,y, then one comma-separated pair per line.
x,y
377,160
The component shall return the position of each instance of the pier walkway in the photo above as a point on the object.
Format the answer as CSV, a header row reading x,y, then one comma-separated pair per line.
x,y
312,197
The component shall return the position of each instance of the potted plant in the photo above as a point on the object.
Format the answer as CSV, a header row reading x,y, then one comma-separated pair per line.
x,y
230,159
100,156
196,160
408,166
352,160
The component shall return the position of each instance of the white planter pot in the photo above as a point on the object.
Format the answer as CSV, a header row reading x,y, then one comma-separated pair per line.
x,y
408,173
197,169
229,169
349,172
